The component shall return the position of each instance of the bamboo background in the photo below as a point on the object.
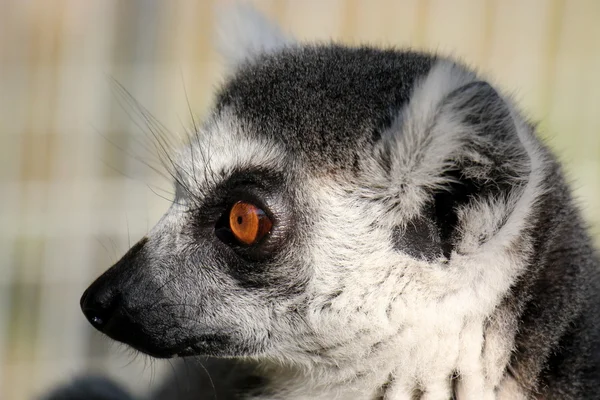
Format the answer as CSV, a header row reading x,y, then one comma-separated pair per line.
x,y
73,195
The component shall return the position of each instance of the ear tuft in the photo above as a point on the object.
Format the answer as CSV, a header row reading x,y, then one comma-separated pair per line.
x,y
242,33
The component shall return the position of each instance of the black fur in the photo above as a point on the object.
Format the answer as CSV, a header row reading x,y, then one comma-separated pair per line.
x,y
324,103
558,301
420,239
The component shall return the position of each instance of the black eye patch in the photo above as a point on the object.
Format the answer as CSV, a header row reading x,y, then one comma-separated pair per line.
x,y
263,189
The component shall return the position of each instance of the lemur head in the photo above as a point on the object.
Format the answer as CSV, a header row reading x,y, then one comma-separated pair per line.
x,y
334,196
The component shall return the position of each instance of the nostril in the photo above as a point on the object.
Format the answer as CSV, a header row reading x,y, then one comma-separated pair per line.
x,y
94,317
98,308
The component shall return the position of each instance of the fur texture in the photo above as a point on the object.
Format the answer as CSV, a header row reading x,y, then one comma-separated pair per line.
x,y
424,241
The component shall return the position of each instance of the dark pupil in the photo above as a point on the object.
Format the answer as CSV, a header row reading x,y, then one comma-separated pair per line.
x,y
239,220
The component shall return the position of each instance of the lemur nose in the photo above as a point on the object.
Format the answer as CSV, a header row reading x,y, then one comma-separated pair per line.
x,y
107,300
98,308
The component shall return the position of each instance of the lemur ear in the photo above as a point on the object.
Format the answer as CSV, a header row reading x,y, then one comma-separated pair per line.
x,y
242,32
459,158
488,172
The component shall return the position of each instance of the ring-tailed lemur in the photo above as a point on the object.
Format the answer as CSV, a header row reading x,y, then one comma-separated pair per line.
x,y
360,223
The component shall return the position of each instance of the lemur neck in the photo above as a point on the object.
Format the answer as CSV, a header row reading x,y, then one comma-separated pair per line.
x,y
437,360
560,287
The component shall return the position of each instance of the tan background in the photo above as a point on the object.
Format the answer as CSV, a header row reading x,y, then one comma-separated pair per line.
x,y
73,195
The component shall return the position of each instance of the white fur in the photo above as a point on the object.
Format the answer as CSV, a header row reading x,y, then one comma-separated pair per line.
x,y
420,143
438,311
510,389
406,322
410,322
220,146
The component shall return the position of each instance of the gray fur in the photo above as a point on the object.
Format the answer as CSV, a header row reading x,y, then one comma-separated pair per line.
x,y
424,241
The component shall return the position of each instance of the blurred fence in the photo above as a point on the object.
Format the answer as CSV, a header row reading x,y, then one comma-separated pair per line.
x,y
73,194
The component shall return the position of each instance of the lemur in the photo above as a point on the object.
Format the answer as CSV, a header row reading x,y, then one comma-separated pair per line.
x,y
358,223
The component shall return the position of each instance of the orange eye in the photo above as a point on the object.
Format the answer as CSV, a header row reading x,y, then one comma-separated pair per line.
x,y
248,223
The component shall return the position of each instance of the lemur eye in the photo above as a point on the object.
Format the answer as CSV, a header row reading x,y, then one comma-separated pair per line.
x,y
248,223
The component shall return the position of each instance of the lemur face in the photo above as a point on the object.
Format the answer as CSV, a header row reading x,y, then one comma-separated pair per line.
x,y
335,197
233,267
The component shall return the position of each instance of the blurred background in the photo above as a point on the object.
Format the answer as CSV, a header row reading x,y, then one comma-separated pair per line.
x,y
75,187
